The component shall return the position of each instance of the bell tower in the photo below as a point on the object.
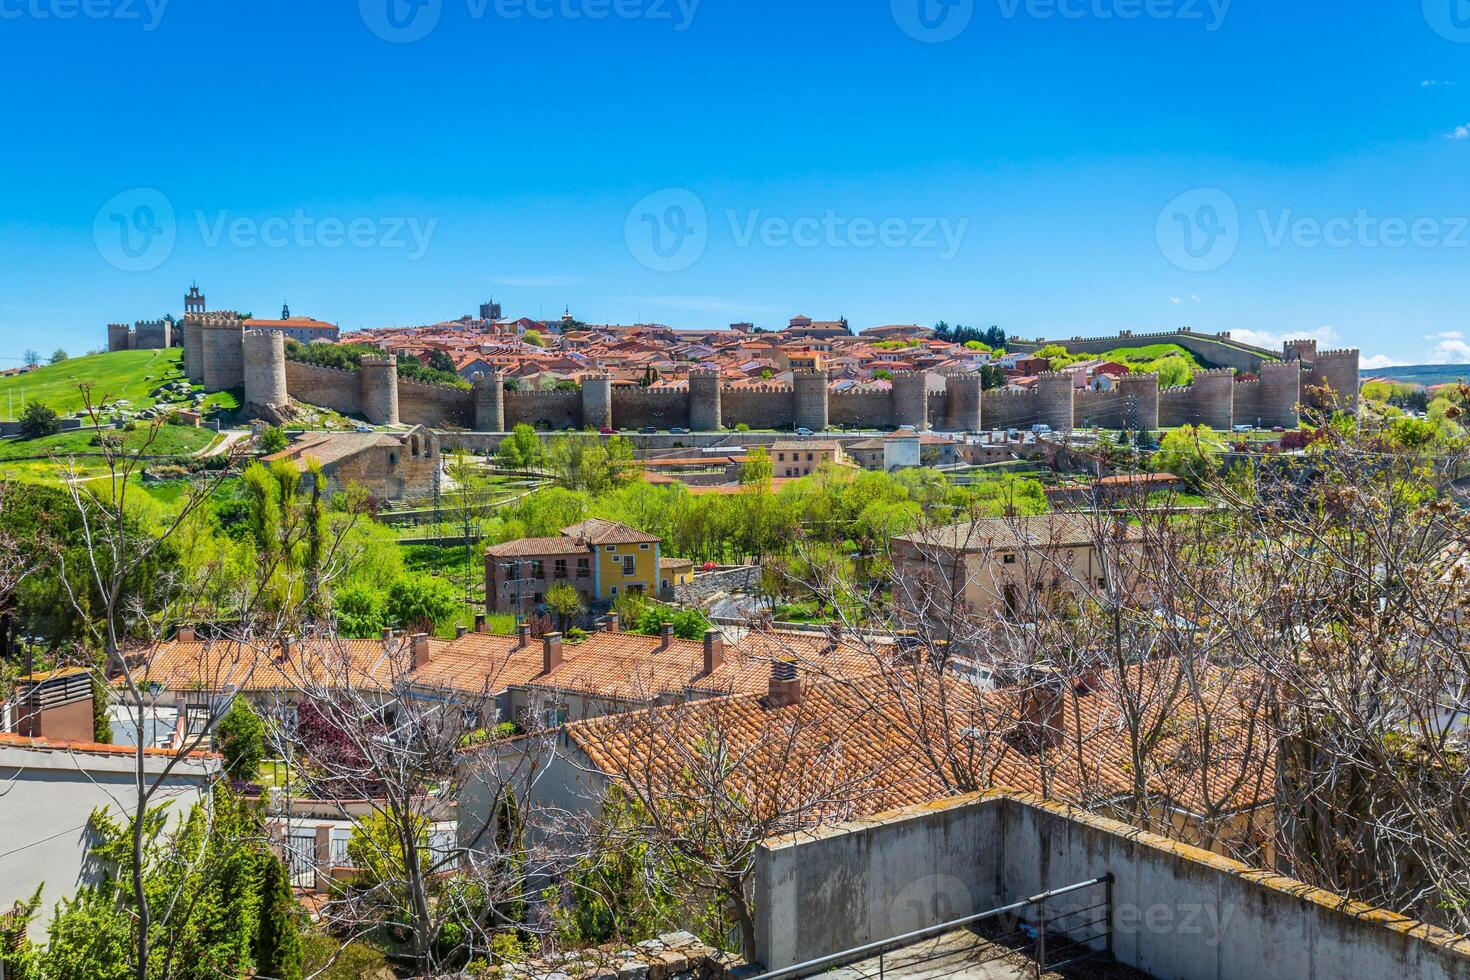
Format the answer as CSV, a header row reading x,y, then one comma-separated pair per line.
x,y
193,300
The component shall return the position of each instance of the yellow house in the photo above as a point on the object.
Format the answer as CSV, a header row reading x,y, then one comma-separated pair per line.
x,y
600,559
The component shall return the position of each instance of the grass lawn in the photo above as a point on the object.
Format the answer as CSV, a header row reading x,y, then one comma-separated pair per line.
x,y
129,375
171,440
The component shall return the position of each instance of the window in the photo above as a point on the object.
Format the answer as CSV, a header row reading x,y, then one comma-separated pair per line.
x,y
392,459
560,568
612,547
538,570
1008,559
628,565
808,457
584,568
643,547
780,457
613,590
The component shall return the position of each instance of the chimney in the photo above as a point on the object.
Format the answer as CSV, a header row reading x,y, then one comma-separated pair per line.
x,y
286,645
460,631
387,635
523,634
480,626
834,638
1041,707
420,650
612,622
550,652
184,634
785,686
714,650
666,634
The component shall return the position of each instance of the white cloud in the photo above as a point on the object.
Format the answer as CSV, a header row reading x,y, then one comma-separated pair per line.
x,y
1175,300
1432,83
1459,133
1194,297
1377,362
1445,335
1450,351
1325,336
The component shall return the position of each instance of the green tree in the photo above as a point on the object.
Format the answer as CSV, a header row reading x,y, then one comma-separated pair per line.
x,y
240,738
376,846
278,935
360,611
272,440
534,338
59,355
419,602
1191,452
757,469
101,700
441,361
565,603
521,450
38,421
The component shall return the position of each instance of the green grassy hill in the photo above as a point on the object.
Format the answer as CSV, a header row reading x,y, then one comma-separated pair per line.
x,y
129,375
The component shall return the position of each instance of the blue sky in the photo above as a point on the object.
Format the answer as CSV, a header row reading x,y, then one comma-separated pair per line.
x,y
1051,166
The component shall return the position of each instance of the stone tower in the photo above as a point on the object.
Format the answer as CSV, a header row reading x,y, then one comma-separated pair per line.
x,y
810,391
963,391
379,380
1140,394
1281,394
489,402
117,337
194,346
1300,350
911,399
1213,399
193,300
1055,400
704,401
1340,370
222,351
597,401
265,370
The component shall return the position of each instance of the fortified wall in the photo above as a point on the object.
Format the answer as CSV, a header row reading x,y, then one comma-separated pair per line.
x,y
221,354
1215,349
142,335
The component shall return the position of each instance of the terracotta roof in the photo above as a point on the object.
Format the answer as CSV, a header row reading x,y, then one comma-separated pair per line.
x,y
811,445
1019,533
214,665
595,530
533,547
878,733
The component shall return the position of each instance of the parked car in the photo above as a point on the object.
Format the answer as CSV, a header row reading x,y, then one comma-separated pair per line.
x,y
608,431
1041,428
649,430
362,428
679,432
803,431
1244,428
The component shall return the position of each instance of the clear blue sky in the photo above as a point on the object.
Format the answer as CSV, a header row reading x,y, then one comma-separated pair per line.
x,y
1051,148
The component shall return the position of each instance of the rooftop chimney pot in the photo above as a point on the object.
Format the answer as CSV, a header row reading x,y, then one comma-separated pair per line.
x,y
420,650
714,650
523,634
785,687
613,622
550,652
666,635
480,626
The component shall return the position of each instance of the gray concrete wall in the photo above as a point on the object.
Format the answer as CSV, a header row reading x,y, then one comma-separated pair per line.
x,y
1178,911
49,796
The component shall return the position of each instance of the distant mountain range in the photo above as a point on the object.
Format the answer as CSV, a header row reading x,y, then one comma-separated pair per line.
x,y
1424,374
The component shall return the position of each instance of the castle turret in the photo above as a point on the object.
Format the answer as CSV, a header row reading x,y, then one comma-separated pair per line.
x,y
1140,394
119,336
911,399
1213,399
1340,371
1281,395
489,402
1300,350
597,401
963,391
222,351
265,370
194,346
1056,398
193,300
704,401
379,381
810,391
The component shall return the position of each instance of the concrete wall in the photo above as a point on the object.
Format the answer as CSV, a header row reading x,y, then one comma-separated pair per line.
x,y
49,796
1178,911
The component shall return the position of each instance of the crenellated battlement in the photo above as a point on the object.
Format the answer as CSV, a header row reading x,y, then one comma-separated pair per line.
x,y
1331,355
374,360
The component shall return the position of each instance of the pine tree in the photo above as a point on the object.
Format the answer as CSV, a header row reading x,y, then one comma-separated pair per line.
x,y
278,940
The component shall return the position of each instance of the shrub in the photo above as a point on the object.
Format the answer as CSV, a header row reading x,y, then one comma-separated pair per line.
x,y
272,440
240,738
419,602
359,611
38,421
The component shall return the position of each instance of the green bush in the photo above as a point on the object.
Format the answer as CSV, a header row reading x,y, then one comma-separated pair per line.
x,y
420,602
240,738
38,421
360,612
